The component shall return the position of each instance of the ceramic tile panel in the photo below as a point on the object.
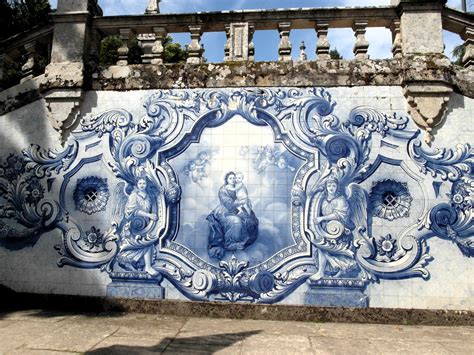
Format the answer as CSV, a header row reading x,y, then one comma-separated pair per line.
x,y
293,195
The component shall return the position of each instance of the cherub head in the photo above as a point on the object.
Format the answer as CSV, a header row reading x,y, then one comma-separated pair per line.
x,y
192,165
203,156
239,177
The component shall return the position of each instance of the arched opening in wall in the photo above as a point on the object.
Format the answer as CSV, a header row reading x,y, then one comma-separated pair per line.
x,y
380,42
453,46
266,45
298,38
342,42
214,43
175,51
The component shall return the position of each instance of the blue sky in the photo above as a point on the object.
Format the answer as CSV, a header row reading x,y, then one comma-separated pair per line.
x,y
266,42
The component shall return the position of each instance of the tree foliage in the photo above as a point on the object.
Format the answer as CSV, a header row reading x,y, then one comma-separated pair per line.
x,y
174,53
334,54
458,52
17,16
108,55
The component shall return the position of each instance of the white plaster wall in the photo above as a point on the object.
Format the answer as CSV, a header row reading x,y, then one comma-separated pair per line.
x,y
451,285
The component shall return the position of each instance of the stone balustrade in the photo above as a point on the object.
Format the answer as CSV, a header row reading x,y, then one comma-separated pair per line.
x,y
71,46
416,27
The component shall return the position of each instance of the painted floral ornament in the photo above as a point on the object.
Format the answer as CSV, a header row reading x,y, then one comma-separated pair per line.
x,y
390,199
91,195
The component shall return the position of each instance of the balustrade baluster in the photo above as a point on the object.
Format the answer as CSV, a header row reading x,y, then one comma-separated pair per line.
x,y
251,44
284,48
361,45
227,43
27,68
468,37
147,41
125,36
323,46
195,49
303,55
158,49
396,39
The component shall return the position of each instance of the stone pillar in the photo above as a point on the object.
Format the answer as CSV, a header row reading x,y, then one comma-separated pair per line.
x,y
239,45
421,29
323,46
69,52
284,48
195,49
71,30
421,26
27,68
396,39
468,37
153,7
146,41
158,49
361,45
125,35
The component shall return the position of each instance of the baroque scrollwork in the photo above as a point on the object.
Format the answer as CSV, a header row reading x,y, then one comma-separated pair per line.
x,y
136,195
453,220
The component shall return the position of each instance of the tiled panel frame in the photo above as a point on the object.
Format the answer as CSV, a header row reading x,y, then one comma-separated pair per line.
x,y
341,204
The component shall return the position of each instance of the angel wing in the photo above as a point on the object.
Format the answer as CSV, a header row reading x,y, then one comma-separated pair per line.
x,y
119,201
358,202
318,181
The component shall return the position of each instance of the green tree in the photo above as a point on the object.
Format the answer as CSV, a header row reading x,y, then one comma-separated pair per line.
x,y
108,50
17,16
6,19
334,54
458,52
173,53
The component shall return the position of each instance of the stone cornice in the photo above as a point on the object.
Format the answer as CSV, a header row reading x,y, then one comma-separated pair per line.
x,y
263,19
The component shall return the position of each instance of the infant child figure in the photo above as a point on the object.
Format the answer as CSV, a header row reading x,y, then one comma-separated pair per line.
x,y
241,194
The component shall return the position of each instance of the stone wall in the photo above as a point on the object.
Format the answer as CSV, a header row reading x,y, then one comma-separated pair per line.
x,y
341,203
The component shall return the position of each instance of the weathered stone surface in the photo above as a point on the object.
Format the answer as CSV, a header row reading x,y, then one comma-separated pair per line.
x,y
328,73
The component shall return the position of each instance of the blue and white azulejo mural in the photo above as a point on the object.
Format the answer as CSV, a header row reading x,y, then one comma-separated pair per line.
x,y
242,195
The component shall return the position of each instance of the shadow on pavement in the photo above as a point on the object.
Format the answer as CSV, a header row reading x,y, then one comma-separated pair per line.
x,y
206,344
50,306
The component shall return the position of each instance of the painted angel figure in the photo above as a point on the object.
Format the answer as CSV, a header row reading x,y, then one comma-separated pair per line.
x,y
137,215
337,214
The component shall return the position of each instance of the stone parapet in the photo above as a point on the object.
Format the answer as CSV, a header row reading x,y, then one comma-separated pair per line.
x,y
328,73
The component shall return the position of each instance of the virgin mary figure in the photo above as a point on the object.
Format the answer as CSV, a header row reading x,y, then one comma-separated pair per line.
x,y
231,227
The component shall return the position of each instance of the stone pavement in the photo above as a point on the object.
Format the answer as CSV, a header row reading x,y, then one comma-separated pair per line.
x,y
53,332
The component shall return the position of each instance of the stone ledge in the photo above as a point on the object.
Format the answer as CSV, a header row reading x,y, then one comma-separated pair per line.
x,y
177,308
324,73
